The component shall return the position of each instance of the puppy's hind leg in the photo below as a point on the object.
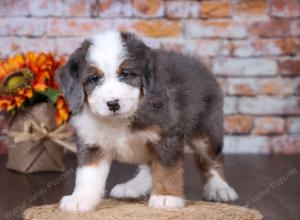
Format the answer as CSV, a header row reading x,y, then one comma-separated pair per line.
x,y
216,188
140,185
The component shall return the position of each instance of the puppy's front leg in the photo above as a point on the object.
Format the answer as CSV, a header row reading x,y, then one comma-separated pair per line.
x,y
168,185
167,172
91,177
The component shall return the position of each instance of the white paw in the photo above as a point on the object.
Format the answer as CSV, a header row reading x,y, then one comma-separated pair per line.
x,y
125,191
166,202
140,185
218,190
75,203
216,194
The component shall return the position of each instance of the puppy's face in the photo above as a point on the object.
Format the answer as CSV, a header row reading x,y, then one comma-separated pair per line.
x,y
106,74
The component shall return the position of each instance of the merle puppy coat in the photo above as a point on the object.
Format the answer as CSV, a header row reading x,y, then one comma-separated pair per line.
x,y
141,106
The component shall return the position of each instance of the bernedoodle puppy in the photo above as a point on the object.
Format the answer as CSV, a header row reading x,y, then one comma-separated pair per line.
x,y
141,106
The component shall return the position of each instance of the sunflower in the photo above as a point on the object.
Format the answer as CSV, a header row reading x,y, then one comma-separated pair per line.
x,y
24,76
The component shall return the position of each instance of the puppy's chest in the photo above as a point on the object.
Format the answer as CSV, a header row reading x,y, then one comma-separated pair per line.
x,y
116,139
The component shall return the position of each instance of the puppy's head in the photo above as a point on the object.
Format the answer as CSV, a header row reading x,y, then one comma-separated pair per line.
x,y
108,73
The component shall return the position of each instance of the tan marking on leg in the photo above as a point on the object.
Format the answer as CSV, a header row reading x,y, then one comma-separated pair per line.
x,y
206,158
215,186
167,180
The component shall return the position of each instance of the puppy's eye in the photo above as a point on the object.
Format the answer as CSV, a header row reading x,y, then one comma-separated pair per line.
x,y
93,79
125,74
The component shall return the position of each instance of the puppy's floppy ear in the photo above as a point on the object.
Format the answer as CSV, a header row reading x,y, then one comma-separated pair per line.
x,y
68,78
144,56
149,76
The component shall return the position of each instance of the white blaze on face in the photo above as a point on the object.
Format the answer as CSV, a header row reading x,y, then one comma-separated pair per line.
x,y
107,53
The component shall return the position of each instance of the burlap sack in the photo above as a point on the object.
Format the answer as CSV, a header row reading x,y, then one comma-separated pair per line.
x,y
34,154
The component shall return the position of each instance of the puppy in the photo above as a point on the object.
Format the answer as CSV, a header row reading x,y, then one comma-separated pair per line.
x,y
141,106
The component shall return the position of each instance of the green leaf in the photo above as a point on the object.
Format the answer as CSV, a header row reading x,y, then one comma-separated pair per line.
x,y
51,94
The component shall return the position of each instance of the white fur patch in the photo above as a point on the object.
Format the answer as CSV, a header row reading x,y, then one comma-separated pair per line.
x,y
217,189
107,52
139,186
166,202
89,188
110,90
114,137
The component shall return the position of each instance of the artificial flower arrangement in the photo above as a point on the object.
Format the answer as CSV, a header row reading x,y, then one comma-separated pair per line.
x,y
38,112
29,78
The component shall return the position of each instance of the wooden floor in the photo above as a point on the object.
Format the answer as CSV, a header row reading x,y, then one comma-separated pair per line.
x,y
270,184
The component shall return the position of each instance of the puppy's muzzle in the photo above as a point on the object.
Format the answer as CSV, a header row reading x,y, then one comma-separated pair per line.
x,y
113,105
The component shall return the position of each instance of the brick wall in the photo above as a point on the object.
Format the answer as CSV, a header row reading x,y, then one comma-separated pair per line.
x,y
252,46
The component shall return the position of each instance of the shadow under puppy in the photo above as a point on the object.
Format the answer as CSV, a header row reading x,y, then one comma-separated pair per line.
x,y
139,105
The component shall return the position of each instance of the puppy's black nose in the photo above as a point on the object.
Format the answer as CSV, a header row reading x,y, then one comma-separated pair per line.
x,y
113,105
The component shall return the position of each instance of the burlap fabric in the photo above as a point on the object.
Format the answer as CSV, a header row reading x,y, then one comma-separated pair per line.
x,y
36,144
121,210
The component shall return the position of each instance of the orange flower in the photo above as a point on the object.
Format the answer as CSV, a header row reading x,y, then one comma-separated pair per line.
x,y
39,86
24,75
62,113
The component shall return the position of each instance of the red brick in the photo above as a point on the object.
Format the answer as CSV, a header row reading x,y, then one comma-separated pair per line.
x,y
268,105
265,47
241,86
216,29
45,8
285,8
58,27
249,144
154,43
182,9
246,8
269,125
285,145
293,125
148,8
263,86
215,9
283,46
270,87
12,8
289,67
22,27
67,45
12,45
79,8
295,27
238,124
272,28
157,28
179,45
279,86
230,105
246,48
223,84
211,48
244,67
115,8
